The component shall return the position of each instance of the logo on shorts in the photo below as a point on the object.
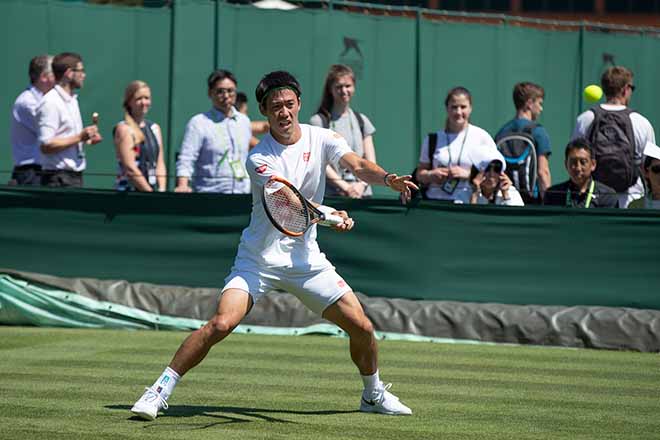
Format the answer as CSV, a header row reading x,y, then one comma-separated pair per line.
x,y
341,283
306,156
261,169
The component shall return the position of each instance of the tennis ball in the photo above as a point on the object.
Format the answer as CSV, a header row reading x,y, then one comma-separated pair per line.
x,y
593,93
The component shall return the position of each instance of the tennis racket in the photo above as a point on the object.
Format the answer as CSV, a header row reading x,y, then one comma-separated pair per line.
x,y
290,212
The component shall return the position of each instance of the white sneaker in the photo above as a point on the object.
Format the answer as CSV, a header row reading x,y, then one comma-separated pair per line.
x,y
384,402
149,404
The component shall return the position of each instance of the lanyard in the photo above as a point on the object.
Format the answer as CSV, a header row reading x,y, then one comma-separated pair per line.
x,y
590,194
224,133
460,153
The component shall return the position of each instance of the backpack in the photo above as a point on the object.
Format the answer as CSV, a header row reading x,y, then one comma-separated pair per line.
x,y
326,121
613,141
433,143
519,150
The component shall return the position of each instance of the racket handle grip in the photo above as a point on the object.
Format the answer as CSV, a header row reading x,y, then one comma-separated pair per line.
x,y
330,220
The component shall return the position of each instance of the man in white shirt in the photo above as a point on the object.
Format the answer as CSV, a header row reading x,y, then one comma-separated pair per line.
x,y
269,260
617,84
61,132
23,125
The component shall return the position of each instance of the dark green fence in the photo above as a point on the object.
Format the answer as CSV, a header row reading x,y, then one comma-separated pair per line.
x,y
532,255
405,66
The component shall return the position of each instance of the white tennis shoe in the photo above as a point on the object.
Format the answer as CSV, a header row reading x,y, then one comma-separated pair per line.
x,y
383,402
149,404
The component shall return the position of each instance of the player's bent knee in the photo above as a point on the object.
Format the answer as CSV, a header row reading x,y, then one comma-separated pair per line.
x,y
221,326
367,327
363,329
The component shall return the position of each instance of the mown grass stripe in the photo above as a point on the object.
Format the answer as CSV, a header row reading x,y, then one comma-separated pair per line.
x,y
63,383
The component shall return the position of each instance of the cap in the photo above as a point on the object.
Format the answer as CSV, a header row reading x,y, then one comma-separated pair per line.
x,y
483,155
652,150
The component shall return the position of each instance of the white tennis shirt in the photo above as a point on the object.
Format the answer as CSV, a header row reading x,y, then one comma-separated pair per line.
x,y
303,164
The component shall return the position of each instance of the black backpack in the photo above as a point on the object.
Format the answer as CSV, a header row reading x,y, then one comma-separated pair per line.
x,y
325,120
613,141
433,143
519,150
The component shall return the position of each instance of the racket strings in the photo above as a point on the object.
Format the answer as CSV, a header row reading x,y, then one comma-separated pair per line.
x,y
287,210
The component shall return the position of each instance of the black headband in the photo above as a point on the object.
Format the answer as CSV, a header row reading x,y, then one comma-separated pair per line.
x,y
276,88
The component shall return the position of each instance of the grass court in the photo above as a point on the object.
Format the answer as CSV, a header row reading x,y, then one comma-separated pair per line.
x,y
79,384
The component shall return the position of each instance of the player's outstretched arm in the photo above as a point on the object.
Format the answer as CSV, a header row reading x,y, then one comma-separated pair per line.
x,y
373,174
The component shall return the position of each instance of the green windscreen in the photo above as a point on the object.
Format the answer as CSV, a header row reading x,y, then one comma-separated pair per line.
x,y
551,256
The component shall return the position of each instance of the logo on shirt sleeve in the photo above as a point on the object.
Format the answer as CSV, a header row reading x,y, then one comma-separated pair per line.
x,y
306,156
261,169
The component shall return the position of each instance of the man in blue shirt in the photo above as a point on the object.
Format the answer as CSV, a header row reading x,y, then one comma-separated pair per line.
x,y
528,99
216,143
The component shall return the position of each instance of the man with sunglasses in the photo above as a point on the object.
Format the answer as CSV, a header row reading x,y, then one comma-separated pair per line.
x,y
62,136
216,143
617,135
582,190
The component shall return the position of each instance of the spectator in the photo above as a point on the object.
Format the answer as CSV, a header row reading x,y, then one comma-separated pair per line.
x,y
618,148
336,114
242,103
528,100
139,144
651,173
258,127
491,185
447,176
216,143
24,129
61,132
582,190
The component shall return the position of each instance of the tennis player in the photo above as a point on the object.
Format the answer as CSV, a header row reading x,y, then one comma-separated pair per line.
x,y
268,260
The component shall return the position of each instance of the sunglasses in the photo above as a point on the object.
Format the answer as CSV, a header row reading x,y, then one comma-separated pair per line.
x,y
655,169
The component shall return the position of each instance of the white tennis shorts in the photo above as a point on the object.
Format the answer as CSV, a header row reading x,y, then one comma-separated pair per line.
x,y
317,290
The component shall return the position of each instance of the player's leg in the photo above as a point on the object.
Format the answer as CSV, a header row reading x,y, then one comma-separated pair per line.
x,y
348,314
234,304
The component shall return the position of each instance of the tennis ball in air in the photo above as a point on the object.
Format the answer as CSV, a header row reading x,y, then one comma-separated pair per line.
x,y
593,93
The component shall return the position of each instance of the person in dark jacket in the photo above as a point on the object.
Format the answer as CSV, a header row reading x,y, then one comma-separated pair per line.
x,y
581,190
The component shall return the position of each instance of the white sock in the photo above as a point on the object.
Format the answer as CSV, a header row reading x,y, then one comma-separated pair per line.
x,y
371,382
166,383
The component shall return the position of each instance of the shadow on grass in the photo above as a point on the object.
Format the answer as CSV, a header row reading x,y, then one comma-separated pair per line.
x,y
229,414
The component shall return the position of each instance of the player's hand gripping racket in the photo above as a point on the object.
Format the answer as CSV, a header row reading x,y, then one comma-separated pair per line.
x,y
289,211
